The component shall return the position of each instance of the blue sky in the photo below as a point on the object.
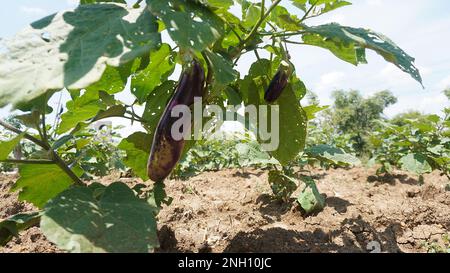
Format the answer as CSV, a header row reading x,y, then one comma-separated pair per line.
x,y
420,27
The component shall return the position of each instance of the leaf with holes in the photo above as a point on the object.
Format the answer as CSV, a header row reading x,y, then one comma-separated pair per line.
x,y
189,23
349,44
64,49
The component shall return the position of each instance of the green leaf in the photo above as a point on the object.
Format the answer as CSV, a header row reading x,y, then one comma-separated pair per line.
x,y
282,185
110,220
333,155
113,111
189,23
113,80
292,118
416,163
312,110
84,2
156,104
6,147
13,225
293,125
250,154
283,19
40,183
72,49
349,44
310,198
80,109
224,73
160,67
137,147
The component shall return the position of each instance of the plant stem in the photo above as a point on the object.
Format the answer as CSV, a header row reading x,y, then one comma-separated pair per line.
x,y
258,24
26,135
308,11
29,161
58,161
54,156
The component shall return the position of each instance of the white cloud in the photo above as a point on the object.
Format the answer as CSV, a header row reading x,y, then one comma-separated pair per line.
x,y
72,3
33,10
444,83
332,78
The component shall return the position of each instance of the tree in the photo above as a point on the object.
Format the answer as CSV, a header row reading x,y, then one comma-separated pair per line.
x,y
355,115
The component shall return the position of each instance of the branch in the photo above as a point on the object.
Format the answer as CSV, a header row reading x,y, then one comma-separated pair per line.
x,y
55,157
308,11
259,23
25,135
29,161
58,161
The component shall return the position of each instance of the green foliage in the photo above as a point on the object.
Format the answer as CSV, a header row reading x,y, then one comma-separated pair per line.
x,y
417,145
38,184
100,219
310,200
13,225
347,123
92,52
64,49
282,185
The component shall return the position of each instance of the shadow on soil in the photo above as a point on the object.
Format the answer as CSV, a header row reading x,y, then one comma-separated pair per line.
x,y
356,235
392,179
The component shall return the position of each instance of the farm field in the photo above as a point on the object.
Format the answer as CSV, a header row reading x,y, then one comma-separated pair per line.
x,y
231,211
218,126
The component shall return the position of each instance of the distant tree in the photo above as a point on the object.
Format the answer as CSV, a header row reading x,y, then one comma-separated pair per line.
x,y
447,93
355,115
400,119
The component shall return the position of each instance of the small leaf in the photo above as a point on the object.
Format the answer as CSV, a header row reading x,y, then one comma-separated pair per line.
x,y
160,67
137,147
93,219
224,73
6,147
13,225
416,163
310,199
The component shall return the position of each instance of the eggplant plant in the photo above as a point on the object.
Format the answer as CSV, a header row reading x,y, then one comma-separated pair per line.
x,y
92,52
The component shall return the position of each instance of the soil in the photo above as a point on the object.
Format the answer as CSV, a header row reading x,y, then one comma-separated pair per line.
x,y
232,211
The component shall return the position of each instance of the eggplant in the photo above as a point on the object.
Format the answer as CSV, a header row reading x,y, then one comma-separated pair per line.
x,y
166,151
278,83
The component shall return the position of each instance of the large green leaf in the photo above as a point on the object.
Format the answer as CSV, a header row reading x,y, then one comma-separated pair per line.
x,y
190,24
292,118
416,163
13,225
160,67
293,125
97,219
73,48
6,147
349,44
137,147
40,183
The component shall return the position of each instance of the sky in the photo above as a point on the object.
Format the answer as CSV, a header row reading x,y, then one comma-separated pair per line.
x,y
420,27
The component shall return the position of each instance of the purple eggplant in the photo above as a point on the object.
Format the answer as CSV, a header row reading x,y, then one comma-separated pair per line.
x,y
278,83
166,151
